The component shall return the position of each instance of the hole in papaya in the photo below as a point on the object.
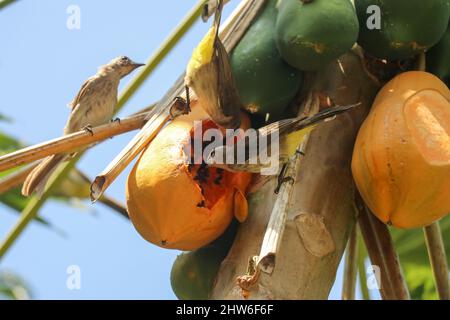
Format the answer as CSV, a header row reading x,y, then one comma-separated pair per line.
x,y
214,183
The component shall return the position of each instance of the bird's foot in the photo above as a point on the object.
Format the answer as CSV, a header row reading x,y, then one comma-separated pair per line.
x,y
179,107
283,179
115,120
88,128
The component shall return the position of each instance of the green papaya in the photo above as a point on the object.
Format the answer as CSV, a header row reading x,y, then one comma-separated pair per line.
x,y
400,29
265,82
311,34
193,273
438,58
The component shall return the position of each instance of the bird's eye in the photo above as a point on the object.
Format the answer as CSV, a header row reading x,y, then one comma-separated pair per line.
x,y
124,59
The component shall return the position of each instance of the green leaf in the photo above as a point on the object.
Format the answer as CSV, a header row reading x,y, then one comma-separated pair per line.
x,y
13,198
412,250
410,244
9,144
420,282
13,287
4,118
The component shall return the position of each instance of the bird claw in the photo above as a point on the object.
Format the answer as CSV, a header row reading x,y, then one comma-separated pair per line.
x,y
180,106
282,179
88,128
115,120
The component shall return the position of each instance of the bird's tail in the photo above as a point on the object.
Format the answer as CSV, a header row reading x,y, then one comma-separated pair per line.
x,y
324,115
37,179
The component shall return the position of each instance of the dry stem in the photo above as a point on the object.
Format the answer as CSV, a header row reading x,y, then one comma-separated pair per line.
x,y
70,143
438,260
382,253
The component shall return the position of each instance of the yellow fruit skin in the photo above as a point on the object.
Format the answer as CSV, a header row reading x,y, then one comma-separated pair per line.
x,y
401,159
163,198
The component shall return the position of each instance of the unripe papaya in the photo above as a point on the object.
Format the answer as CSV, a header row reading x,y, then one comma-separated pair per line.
x,y
438,58
406,28
266,83
193,273
311,34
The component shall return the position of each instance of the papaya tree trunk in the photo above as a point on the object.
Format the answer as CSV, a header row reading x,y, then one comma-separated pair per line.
x,y
321,213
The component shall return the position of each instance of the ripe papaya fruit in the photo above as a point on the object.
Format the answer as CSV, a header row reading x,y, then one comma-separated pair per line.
x,y
406,27
438,58
265,82
311,34
176,203
401,158
193,273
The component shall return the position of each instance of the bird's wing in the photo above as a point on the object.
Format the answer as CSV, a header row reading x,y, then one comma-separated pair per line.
x,y
292,131
295,124
88,86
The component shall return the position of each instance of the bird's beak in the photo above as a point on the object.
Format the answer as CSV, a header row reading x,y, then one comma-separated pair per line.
x,y
137,65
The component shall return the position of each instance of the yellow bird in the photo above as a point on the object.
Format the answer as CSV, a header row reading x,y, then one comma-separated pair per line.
x,y
209,75
253,155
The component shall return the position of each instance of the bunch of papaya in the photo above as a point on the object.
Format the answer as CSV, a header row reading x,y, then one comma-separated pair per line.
x,y
287,38
266,83
401,29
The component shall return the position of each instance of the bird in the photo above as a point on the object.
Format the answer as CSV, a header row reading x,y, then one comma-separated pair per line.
x,y
94,105
209,74
260,153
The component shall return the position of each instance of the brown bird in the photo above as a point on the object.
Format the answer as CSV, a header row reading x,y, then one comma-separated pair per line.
x,y
93,106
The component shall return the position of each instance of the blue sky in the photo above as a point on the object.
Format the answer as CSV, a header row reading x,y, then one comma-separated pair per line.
x,y
42,66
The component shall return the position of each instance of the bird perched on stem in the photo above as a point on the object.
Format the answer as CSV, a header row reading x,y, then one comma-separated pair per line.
x,y
261,154
94,105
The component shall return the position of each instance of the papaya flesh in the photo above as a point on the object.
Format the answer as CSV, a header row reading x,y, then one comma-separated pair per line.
x,y
407,27
438,58
265,82
311,34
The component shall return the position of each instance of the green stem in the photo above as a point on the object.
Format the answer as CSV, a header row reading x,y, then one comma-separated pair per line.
x,y
4,3
35,204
